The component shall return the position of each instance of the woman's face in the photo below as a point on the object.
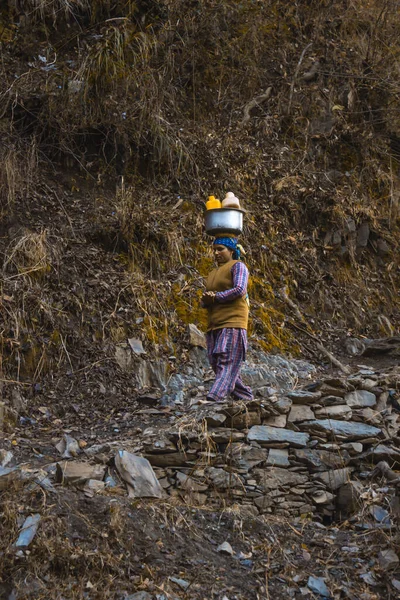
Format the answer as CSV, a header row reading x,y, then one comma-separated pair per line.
x,y
222,254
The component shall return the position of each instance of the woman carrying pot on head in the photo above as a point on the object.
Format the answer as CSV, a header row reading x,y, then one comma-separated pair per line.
x,y
226,301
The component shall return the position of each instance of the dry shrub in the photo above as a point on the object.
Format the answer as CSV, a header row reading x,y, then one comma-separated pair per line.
x,y
31,254
19,163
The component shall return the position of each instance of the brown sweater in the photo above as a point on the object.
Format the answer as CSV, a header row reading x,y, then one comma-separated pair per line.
x,y
230,314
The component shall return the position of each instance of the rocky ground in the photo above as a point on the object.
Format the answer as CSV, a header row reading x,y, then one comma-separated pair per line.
x,y
161,495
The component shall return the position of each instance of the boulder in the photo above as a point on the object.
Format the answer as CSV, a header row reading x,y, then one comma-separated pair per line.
x,y
138,474
267,436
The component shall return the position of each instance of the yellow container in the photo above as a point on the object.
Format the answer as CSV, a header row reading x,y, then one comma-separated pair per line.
x,y
212,203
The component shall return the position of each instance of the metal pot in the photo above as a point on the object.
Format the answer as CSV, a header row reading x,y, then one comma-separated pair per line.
x,y
224,220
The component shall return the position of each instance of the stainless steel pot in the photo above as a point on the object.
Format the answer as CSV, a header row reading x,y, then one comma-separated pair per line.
x,y
224,220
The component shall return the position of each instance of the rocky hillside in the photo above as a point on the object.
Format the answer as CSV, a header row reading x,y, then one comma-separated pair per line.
x,y
118,119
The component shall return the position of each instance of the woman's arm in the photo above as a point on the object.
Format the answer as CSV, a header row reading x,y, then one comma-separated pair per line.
x,y
240,276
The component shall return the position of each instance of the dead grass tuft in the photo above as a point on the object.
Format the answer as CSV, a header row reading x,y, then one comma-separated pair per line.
x,y
31,254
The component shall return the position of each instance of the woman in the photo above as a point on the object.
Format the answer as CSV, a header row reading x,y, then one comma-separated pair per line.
x,y
228,312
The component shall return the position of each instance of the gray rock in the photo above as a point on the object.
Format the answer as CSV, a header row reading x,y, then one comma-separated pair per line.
x,y
196,337
388,453
303,396
266,435
331,400
136,346
263,502
28,531
353,448
273,478
339,411
138,474
221,479
348,498
78,472
322,497
278,458
93,487
159,446
215,419
277,421
360,399
318,460
318,586
380,514
5,457
244,420
388,560
247,457
174,459
68,447
223,435
347,429
225,548
189,484
328,390
299,413
182,583
283,405
334,479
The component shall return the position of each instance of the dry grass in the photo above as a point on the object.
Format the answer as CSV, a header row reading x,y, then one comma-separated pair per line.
x,y
30,254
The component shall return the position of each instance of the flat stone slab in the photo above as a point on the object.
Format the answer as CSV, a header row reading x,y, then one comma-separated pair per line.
x,y
273,478
276,421
78,472
265,435
300,412
360,399
303,397
278,458
320,460
348,429
334,479
338,411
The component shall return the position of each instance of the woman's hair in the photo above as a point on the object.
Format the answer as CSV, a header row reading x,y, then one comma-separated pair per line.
x,y
230,243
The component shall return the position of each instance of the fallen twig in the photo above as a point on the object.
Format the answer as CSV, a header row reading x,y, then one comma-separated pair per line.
x,y
253,103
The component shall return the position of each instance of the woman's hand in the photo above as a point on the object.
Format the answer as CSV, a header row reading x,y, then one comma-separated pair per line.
x,y
208,298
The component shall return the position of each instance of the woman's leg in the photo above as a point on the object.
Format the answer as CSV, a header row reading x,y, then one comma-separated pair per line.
x,y
242,391
228,356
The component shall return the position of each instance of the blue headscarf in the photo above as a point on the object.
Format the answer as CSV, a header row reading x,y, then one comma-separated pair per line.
x,y
230,243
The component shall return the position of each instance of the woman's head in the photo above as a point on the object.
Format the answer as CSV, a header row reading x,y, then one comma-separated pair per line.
x,y
225,249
